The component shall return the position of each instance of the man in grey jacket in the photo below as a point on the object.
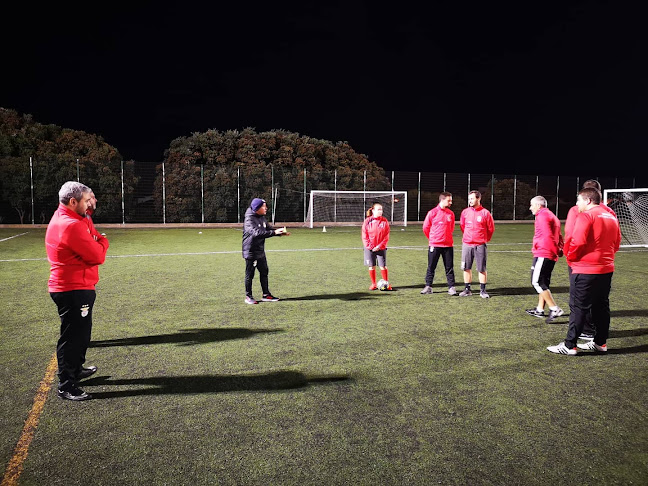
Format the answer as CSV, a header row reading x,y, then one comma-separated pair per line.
x,y
255,231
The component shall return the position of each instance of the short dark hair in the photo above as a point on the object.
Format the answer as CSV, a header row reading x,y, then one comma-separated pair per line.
x,y
592,183
476,193
592,194
444,195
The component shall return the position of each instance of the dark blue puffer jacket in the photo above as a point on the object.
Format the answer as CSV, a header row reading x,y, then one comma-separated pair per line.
x,y
255,231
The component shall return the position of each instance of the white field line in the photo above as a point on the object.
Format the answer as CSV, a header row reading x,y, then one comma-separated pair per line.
x,y
14,236
297,250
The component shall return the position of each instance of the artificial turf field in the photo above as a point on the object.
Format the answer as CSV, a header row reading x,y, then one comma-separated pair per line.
x,y
334,384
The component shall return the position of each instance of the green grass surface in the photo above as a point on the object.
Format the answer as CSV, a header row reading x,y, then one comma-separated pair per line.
x,y
332,385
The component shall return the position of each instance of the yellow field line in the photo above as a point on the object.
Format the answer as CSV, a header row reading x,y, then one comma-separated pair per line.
x,y
15,466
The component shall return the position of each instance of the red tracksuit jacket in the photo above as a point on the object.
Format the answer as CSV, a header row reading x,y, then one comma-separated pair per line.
x,y
72,252
595,240
477,225
571,221
438,227
375,233
547,235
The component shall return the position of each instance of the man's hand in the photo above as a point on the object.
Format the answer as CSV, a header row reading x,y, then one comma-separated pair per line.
x,y
281,232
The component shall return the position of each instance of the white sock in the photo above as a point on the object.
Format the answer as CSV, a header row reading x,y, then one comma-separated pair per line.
x,y
554,308
539,309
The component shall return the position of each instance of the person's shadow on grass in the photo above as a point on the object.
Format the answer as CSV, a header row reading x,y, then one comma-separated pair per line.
x,y
196,384
186,337
349,296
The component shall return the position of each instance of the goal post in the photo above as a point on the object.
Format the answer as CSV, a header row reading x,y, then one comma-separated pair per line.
x,y
631,208
350,207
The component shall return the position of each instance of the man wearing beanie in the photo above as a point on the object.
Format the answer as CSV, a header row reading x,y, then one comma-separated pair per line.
x,y
255,231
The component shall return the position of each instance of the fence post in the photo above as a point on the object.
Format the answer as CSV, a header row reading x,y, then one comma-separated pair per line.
x,y
536,186
514,194
78,180
444,182
305,211
163,194
202,193
418,208
272,195
238,193
557,192
492,194
122,193
335,199
31,182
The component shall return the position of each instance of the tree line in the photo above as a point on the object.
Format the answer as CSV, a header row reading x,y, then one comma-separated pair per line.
x,y
224,167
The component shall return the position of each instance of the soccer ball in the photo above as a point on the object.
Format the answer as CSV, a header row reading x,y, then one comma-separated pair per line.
x,y
382,284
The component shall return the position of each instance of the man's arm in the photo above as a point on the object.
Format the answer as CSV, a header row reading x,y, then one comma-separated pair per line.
x,y
79,240
582,228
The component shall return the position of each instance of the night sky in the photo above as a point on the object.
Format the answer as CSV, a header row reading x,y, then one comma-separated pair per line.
x,y
510,87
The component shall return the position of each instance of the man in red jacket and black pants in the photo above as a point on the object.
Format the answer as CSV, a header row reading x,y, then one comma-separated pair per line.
x,y
74,255
546,247
595,240
438,227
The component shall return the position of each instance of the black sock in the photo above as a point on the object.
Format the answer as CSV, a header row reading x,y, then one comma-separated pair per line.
x,y
482,287
467,286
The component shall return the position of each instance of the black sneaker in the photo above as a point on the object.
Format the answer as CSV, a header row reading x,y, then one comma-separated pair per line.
x,y
74,393
86,372
536,313
269,298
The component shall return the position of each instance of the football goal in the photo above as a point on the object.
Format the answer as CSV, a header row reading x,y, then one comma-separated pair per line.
x,y
631,208
350,207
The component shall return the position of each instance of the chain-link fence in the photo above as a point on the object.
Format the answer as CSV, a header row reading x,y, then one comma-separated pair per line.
x,y
146,192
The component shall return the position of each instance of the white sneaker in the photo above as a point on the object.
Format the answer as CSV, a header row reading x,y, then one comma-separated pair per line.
x,y
592,346
452,291
484,295
562,349
554,314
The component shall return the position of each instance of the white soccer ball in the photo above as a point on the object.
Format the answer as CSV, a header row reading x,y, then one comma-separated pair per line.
x,y
382,284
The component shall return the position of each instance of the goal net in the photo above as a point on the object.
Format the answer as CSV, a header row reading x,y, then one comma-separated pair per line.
x,y
350,207
631,208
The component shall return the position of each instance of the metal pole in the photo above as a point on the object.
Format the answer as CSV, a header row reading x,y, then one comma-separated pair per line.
x,y
536,186
468,191
557,192
364,194
492,193
444,182
392,201
31,178
305,214
335,197
78,180
514,194
163,195
202,193
238,194
272,189
122,193
418,208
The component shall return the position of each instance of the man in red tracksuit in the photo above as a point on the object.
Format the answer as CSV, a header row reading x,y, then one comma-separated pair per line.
x,y
588,330
438,227
74,255
546,245
595,240
478,227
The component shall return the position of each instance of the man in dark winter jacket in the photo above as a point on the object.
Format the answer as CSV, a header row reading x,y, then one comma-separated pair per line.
x,y
255,231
